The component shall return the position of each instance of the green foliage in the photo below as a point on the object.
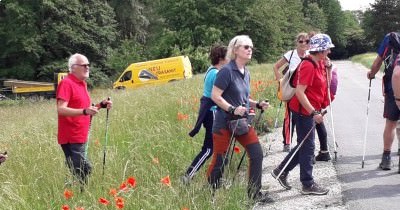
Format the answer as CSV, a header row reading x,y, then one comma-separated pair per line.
x,y
132,22
120,58
41,33
356,40
315,18
381,19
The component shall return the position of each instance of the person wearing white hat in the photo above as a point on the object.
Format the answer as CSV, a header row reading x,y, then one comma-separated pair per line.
x,y
311,94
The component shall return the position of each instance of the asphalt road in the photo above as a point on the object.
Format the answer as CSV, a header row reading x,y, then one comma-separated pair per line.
x,y
368,187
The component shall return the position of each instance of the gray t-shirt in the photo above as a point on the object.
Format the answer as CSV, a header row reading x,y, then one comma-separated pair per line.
x,y
236,91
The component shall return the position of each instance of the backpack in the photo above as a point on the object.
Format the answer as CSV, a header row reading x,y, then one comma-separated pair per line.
x,y
390,56
286,89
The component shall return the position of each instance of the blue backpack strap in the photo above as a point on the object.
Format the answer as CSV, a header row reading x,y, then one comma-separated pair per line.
x,y
208,70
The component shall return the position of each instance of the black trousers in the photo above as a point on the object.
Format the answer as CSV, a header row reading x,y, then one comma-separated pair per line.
x,y
76,161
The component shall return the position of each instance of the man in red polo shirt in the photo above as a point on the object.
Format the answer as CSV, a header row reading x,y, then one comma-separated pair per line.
x,y
74,113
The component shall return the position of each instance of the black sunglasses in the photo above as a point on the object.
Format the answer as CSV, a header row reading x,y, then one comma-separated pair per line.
x,y
306,41
83,65
246,47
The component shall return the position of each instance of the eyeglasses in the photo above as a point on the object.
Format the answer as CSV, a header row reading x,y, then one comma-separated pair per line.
x,y
83,65
302,41
246,47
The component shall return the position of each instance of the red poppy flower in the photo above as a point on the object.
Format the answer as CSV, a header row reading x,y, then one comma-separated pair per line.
x,y
65,207
185,208
236,149
131,181
166,181
104,201
113,192
119,202
123,186
182,116
68,194
79,208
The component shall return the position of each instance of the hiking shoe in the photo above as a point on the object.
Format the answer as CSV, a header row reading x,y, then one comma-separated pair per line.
x,y
314,189
323,156
286,148
282,178
386,163
263,198
185,180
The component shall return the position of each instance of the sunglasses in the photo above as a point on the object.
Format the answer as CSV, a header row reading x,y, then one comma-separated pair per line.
x,y
246,47
302,41
83,65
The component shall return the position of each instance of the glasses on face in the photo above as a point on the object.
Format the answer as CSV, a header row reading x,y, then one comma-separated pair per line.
x,y
246,47
83,65
304,41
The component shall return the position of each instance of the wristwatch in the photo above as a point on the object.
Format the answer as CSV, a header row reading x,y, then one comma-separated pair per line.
x,y
314,113
231,109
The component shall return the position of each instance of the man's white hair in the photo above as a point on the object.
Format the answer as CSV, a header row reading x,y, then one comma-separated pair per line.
x,y
72,60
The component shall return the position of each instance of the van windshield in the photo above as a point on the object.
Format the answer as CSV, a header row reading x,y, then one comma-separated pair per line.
x,y
127,76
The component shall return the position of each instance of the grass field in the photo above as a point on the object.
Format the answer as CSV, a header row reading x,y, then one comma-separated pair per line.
x,y
147,141
365,59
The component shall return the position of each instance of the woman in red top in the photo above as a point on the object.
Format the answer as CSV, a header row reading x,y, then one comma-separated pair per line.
x,y
310,98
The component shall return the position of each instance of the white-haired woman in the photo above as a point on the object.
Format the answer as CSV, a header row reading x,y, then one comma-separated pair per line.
x,y
231,93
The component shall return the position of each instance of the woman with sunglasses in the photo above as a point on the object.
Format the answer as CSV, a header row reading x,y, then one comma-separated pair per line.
x,y
310,98
231,93
291,58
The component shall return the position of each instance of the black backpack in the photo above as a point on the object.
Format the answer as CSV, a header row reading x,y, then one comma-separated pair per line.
x,y
390,55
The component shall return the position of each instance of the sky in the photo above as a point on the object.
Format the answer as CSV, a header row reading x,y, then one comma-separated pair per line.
x,y
355,4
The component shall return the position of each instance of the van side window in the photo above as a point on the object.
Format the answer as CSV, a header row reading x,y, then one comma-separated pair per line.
x,y
127,76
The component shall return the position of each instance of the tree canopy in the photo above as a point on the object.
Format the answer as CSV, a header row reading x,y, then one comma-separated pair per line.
x,y
38,36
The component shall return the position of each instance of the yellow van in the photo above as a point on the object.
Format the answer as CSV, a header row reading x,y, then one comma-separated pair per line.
x,y
154,72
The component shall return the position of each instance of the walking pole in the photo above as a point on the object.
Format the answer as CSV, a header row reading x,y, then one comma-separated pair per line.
x,y
298,147
366,124
88,137
276,121
331,114
106,138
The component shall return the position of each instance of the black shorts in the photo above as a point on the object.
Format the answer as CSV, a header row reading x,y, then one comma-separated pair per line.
x,y
390,110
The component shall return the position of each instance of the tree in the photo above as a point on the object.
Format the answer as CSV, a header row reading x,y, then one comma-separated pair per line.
x,y
131,19
315,18
42,34
381,19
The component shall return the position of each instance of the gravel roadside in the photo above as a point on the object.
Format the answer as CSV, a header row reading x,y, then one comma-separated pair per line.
x,y
324,174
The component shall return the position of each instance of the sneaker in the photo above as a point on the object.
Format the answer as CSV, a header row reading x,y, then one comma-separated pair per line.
x,y
323,156
185,180
398,151
286,148
386,163
314,189
263,198
282,178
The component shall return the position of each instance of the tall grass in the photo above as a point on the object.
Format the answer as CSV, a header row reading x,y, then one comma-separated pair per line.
x,y
365,59
146,140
